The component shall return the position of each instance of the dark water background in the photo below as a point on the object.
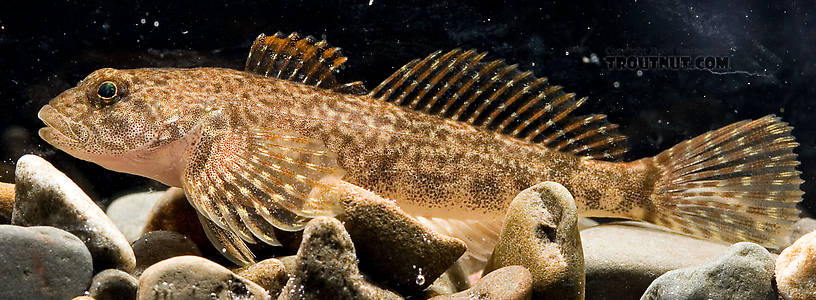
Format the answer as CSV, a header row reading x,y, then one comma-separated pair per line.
x,y
46,47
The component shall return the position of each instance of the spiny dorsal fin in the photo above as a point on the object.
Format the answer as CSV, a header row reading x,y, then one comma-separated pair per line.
x,y
296,58
494,96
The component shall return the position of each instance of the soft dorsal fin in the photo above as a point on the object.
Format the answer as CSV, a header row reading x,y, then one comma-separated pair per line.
x,y
494,96
299,59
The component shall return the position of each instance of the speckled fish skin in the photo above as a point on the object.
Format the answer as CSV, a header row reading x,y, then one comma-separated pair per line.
x,y
720,185
429,166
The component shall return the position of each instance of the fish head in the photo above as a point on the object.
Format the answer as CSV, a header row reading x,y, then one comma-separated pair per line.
x,y
122,118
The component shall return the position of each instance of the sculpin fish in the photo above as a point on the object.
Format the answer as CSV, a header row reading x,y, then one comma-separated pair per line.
x,y
451,138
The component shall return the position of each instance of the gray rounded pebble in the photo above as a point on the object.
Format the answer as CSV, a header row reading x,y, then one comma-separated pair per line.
x,y
130,212
326,266
42,263
155,246
113,284
45,196
745,271
193,277
623,258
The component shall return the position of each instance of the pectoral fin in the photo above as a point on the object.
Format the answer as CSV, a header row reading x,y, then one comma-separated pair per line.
x,y
247,181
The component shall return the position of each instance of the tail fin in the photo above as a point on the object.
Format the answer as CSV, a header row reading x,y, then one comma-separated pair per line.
x,y
736,183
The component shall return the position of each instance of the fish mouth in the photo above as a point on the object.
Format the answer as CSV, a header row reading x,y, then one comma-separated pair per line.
x,y
60,130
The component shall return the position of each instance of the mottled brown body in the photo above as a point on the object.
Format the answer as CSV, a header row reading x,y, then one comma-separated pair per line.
x,y
430,166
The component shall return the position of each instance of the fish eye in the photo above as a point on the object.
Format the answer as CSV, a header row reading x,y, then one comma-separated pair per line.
x,y
107,91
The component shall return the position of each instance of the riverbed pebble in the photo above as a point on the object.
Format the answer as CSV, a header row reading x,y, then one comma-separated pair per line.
x,y
540,232
6,202
45,196
394,249
42,263
155,246
326,266
268,273
113,284
796,269
507,283
623,258
130,212
193,277
744,271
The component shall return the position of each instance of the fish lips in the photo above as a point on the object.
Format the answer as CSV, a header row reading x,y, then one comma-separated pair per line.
x,y
60,130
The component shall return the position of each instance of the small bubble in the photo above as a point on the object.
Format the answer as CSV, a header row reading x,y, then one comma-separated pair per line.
x,y
566,52
155,23
639,73
420,280
143,21
616,84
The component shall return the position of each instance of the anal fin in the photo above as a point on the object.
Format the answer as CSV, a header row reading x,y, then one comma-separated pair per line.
x,y
479,235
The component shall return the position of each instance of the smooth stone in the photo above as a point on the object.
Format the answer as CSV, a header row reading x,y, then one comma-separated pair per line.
x,y
584,223
193,277
113,284
130,212
796,269
623,258
42,263
540,232
744,271
6,202
46,197
155,246
172,212
415,256
326,266
454,280
802,227
268,273
510,283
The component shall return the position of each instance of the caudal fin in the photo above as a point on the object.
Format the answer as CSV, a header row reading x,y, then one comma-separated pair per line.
x,y
736,183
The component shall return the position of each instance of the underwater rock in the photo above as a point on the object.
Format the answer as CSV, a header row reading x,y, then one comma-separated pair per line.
x,y
6,202
796,269
540,232
155,246
326,266
113,284
269,274
510,283
415,255
42,263
193,277
172,212
45,196
744,271
130,212
584,223
623,258
452,281
802,227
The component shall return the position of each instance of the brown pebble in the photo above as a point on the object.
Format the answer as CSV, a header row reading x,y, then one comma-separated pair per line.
x,y
268,273
508,283
394,248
